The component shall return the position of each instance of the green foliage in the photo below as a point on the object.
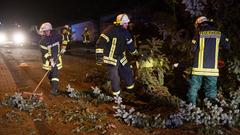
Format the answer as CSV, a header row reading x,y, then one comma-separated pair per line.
x,y
152,67
234,67
225,15
22,104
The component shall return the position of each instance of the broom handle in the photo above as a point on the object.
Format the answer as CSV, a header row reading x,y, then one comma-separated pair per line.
x,y
42,79
40,82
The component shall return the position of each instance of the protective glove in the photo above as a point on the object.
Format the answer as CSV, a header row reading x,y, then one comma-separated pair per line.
x,y
63,50
52,62
175,65
221,63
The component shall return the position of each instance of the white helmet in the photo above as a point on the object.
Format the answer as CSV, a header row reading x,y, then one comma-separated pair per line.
x,y
122,18
200,20
45,26
66,26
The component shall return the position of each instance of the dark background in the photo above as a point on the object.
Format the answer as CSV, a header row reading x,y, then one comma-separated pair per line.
x,y
63,11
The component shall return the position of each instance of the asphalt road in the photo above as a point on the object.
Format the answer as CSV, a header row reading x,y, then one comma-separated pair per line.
x,y
20,70
24,65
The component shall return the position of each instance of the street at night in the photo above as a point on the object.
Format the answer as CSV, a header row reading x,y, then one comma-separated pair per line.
x,y
120,67
21,70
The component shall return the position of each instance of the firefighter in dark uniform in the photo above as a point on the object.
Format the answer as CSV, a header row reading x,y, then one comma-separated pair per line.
x,y
50,48
207,43
66,38
111,50
86,36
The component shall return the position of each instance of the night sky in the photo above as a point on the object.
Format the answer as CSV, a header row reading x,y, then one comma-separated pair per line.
x,y
62,11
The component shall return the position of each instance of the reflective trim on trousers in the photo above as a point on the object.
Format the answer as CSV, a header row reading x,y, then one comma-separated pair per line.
x,y
130,87
55,79
116,93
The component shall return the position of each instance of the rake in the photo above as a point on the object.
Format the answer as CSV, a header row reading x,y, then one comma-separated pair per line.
x,y
39,96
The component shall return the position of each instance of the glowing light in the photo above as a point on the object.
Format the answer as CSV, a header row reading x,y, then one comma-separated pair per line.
x,y
19,38
3,37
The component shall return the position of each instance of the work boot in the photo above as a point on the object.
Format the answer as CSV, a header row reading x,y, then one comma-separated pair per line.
x,y
54,92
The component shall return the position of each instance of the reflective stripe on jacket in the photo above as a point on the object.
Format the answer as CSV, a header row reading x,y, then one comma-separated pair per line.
x,y
207,44
113,43
50,48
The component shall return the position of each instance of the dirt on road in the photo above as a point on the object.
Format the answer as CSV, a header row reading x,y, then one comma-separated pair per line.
x,y
60,115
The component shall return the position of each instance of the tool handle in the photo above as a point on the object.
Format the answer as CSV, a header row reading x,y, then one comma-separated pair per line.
x,y
40,82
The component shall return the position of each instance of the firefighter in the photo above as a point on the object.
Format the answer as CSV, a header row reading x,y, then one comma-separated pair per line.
x,y
66,38
111,50
50,48
207,43
86,36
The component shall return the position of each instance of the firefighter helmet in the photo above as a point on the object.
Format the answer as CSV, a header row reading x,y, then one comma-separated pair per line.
x,y
200,20
66,26
45,27
122,18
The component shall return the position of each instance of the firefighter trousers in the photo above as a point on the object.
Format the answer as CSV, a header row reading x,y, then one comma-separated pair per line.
x,y
120,71
53,78
209,85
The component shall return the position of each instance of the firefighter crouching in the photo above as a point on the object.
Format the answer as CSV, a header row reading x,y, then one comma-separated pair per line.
x,y
50,48
111,50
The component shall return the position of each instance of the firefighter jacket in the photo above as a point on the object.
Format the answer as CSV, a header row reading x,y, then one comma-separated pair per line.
x,y
112,45
206,50
66,37
50,48
86,37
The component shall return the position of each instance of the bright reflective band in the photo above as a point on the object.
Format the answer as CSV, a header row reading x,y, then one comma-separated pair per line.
x,y
124,60
201,53
109,60
130,41
105,37
55,79
210,34
47,55
43,47
216,52
130,87
205,71
65,42
46,65
113,47
116,93
54,44
99,50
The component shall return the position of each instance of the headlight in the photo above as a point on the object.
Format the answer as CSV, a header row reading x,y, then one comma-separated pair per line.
x,y
19,38
3,37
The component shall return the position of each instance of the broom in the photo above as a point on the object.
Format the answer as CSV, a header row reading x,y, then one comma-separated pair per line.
x,y
39,96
